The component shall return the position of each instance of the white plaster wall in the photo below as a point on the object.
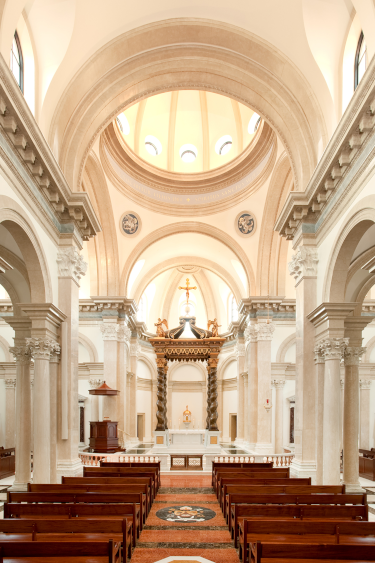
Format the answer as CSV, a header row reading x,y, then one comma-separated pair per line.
x,y
144,406
290,356
283,329
372,415
187,373
83,354
83,389
229,407
2,413
230,370
194,399
92,331
143,370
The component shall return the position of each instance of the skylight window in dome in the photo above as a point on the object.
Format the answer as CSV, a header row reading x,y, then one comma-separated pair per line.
x,y
153,145
188,153
223,145
253,123
123,124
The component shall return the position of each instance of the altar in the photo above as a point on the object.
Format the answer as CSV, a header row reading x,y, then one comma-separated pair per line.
x,y
186,438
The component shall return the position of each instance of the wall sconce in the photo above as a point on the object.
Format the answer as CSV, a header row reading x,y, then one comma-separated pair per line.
x,y
267,405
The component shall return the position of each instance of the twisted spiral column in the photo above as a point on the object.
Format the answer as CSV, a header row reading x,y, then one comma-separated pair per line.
x,y
161,396
165,397
208,397
213,404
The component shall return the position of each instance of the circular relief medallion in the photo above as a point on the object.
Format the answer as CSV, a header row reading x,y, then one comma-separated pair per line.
x,y
245,224
130,224
185,514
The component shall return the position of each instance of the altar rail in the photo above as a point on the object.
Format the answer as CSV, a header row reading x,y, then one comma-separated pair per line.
x,y
89,460
278,460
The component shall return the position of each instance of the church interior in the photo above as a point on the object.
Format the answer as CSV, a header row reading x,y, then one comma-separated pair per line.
x,y
187,281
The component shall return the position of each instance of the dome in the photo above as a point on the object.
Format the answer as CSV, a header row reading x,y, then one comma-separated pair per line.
x,y
188,131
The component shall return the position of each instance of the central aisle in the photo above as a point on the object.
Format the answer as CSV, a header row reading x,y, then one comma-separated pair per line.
x,y
185,520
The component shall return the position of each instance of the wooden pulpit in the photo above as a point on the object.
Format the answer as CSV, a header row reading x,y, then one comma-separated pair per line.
x,y
103,437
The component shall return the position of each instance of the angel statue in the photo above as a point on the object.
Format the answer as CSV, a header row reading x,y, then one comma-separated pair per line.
x,y
159,328
215,328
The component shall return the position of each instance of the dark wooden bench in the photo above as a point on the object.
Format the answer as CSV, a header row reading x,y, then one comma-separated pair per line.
x,y
139,467
319,499
240,464
249,481
127,480
302,512
76,512
257,473
299,531
121,531
60,552
281,489
220,475
127,472
264,552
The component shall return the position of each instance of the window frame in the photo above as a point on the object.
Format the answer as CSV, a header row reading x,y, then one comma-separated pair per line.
x,y
356,59
20,82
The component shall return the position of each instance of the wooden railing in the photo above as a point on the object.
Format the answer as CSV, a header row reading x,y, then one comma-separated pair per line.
x,y
279,460
7,462
88,459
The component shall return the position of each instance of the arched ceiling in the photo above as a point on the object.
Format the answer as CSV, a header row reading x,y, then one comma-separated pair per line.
x,y
190,117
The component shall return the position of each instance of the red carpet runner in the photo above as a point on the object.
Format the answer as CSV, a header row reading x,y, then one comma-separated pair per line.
x,y
185,520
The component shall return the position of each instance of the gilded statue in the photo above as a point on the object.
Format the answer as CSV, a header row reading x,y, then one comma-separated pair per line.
x,y
187,289
215,328
159,328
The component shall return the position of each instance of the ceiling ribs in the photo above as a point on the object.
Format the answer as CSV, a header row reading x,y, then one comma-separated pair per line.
x,y
172,130
205,131
238,121
138,124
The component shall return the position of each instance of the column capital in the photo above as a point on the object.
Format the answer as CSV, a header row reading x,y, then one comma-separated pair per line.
x,y
333,348
71,264
94,383
109,331
22,354
365,383
352,355
304,263
134,350
123,333
251,333
265,330
240,350
342,383
10,383
130,375
319,355
42,348
245,375
278,383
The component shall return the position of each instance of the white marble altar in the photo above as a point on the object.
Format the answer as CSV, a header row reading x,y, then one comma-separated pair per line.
x,y
186,438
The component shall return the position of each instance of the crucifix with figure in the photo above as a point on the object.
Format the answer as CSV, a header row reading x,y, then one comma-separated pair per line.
x,y
187,288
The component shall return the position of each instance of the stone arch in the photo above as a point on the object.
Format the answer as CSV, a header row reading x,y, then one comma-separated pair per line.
x,y
151,365
187,227
207,55
90,347
5,348
12,217
224,365
369,348
199,365
284,347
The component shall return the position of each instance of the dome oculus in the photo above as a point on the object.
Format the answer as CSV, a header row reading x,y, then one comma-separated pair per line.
x,y
253,123
153,145
188,153
223,145
123,124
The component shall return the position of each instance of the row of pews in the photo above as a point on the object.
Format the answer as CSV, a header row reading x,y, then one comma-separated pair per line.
x,y
274,517
96,518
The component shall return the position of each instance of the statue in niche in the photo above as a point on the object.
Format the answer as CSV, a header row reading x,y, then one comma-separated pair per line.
x,y
215,328
186,417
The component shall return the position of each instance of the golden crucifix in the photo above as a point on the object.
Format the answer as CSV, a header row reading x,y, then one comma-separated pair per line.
x,y
187,288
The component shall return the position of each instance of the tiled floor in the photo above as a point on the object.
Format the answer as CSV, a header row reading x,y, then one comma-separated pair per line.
x,y
209,539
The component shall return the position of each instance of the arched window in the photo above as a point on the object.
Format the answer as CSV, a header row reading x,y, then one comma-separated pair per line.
x,y
141,313
232,309
16,60
360,61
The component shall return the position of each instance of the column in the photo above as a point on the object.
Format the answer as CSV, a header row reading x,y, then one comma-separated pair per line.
x,y
109,329
71,267
220,421
10,412
134,353
169,404
161,397
240,354
94,400
41,350
319,391
364,435
166,396
153,404
245,409
213,404
279,407
352,355
123,339
264,424
342,382
332,349
303,268
129,381
53,373
32,413
252,370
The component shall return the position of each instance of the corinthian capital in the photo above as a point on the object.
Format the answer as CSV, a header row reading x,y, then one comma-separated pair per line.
x,y
319,354
42,348
333,348
10,383
71,264
352,355
278,383
134,350
251,333
304,263
109,331
365,383
240,350
94,383
123,334
265,331
21,354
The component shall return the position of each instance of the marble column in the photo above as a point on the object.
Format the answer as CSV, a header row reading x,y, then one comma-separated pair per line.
x,y
342,385
129,382
41,350
352,355
265,331
153,404
53,377
245,409
240,355
364,435
10,412
204,404
134,354
123,339
332,349
319,390
94,400
279,415
109,329
252,370
220,408
71,267
303,268
170,404
32,413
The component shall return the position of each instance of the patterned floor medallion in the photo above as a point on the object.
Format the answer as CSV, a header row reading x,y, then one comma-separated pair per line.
x,y
185,514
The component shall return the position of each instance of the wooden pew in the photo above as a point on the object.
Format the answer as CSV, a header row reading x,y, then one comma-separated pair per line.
x,y
125,472
284,471
321,499
150,466
75,498
149,480
280,490
47,511
247,474
249,480
276,531
240,464
315,511
75,529
298,552
76,552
